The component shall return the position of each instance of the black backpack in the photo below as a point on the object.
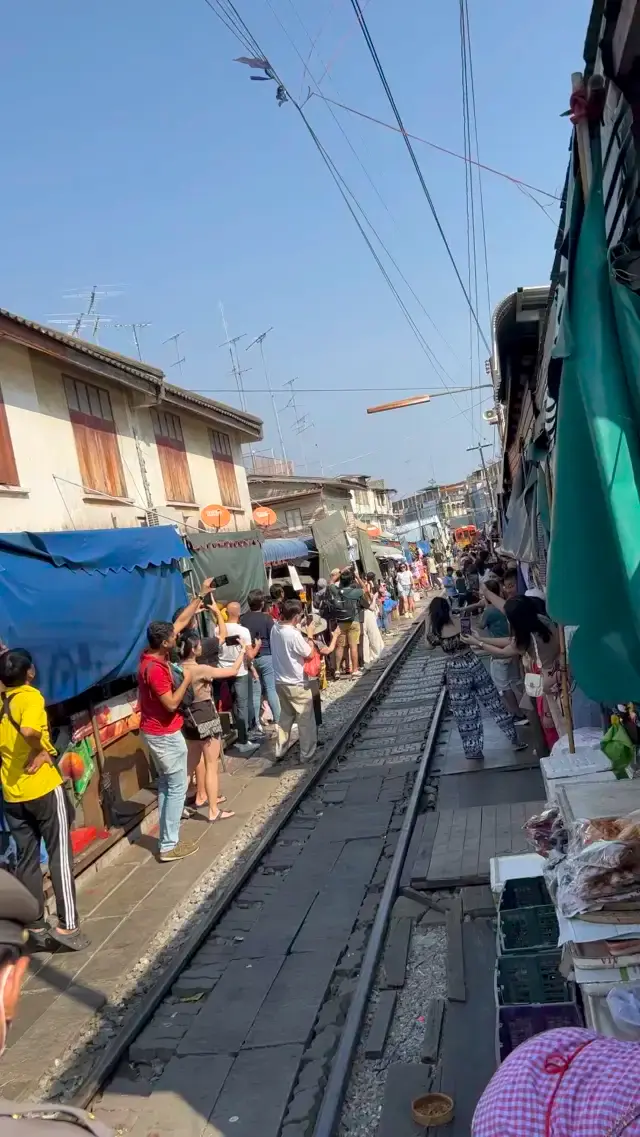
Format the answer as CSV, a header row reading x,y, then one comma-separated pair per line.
x,y
336,606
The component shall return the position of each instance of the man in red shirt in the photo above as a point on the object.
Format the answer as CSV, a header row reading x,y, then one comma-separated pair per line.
x,y
161,727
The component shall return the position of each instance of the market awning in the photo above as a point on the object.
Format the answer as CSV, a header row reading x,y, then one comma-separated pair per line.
x,y
80,602
331,541
388,552
237,556
594,563
284,550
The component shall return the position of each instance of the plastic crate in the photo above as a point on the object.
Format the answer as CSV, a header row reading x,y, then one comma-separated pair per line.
x,y
533,978
517,1024
527,930
524,892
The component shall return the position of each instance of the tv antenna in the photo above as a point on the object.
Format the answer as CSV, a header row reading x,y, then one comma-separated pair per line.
x,y
135,328
237,371
91,298
260,341
180,359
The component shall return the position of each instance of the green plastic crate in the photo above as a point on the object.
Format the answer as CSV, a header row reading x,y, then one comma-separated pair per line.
x,y
527,929
524,892
531,978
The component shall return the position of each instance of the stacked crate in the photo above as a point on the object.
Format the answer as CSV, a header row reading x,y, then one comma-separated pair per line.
x,y
531,993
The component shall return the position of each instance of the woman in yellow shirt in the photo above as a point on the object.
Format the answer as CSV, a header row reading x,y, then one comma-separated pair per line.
x,y
36,806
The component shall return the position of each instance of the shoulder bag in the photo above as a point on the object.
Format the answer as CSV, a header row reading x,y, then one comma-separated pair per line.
x,y
533,682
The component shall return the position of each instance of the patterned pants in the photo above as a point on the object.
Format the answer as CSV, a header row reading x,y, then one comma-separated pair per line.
x,y
468,685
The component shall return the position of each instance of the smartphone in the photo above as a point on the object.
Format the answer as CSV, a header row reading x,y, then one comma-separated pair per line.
x,y
233,641
465,624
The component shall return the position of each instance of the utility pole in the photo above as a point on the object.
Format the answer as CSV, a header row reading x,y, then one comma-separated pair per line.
x,y
260,340
481,447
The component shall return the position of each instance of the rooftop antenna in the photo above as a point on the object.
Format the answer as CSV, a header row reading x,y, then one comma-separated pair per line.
x,y
76,324
91,298
301,423
238,371
135,328
179,360
260,341
232,344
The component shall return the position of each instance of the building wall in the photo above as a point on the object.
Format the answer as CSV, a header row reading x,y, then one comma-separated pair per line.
x,y
50,495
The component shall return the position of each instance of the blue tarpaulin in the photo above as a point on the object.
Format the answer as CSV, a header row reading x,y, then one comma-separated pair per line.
x,y
80,602
284,550
424,547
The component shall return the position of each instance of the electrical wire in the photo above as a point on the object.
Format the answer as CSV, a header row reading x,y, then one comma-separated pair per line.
x,y
383,79
226,5
364,170
435,146
477,163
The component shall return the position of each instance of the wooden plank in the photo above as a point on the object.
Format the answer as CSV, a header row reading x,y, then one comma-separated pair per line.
x,y
420,869
487,839
414,849
468,1037
379,1029
455,953
440,852
469,866
432,1030
504,834
396,952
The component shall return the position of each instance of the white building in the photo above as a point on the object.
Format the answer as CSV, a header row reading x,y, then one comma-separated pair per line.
x,y
90,439
371,503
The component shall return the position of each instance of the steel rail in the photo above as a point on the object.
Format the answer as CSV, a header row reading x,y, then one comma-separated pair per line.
x,y
333,1098
151,1000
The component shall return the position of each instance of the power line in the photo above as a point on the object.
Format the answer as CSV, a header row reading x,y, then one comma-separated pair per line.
x,y
435,146
248,39
326,390
363,168
383,79
346,193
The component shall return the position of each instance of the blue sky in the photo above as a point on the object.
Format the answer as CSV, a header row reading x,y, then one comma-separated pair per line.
x,y
138,154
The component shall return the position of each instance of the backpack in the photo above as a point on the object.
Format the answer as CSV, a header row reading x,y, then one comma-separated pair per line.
x,y
177,676
336,606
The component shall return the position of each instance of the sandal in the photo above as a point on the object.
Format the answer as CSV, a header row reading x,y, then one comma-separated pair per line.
x,y
221,815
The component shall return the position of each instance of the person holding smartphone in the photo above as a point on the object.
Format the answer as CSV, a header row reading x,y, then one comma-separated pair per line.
x,y
240,684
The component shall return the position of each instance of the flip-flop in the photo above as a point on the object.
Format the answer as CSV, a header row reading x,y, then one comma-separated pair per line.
x,y
221,800
221,815
72,941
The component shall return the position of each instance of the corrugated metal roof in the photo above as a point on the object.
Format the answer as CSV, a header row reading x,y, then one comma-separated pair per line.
x,y
251,423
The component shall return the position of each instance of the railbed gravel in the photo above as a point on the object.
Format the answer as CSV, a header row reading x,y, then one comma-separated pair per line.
x,y
66,1075
426,979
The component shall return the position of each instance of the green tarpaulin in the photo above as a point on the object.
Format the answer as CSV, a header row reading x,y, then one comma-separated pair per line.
x,y
594,559
236,555
330,536
369,562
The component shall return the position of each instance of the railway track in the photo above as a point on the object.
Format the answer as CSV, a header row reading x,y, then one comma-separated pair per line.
x,y
255,1023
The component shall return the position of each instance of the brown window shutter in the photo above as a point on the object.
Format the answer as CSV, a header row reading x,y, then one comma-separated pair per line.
x,y
8,469
94,431
173,456
222,455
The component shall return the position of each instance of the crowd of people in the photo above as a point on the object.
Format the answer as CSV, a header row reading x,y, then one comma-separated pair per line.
x,y
266,666
518,635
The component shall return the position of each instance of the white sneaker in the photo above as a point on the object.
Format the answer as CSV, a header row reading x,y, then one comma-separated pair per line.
x,y
246,749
